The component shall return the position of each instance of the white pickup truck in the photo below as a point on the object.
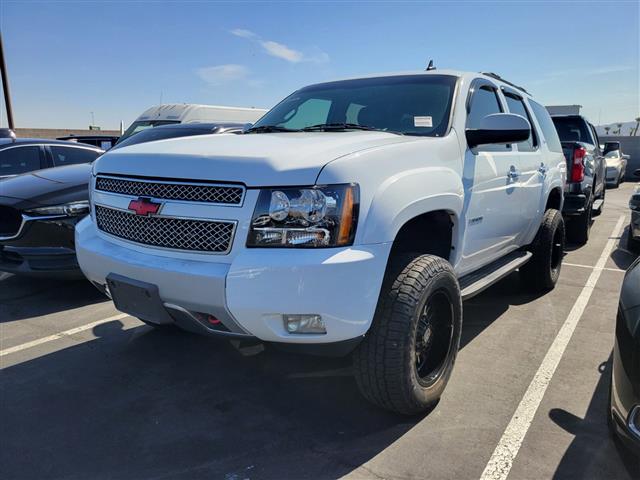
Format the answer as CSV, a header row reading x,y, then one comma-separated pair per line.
x,y
355,216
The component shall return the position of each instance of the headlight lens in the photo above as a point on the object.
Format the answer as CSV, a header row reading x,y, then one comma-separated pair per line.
x,y
319,216
68,209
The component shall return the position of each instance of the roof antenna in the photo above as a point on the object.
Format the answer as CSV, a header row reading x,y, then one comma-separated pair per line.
x,y
430,66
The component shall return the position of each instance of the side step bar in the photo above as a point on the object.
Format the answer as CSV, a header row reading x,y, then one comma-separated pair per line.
x,y
596,208
474,283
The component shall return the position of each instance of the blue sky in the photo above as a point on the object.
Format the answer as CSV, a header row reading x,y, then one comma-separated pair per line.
x,y
67,59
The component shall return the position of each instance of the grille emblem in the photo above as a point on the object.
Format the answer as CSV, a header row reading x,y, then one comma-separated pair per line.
x,y
144,206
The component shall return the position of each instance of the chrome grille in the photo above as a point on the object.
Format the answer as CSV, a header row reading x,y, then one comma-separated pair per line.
x,y
220,194
167,232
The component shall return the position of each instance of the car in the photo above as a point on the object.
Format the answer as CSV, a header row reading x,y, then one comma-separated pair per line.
x,y
176,113
22,155
624,396
633,239
38,212
616,164
584,192
181,130
353,218
105,142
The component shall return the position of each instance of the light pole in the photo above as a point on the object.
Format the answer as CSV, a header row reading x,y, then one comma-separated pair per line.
x,y
5,85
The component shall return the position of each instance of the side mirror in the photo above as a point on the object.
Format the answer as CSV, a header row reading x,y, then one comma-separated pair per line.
x,y
499,128
625,156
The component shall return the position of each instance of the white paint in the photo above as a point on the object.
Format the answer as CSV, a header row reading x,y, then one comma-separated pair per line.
x,y
503,456
591,267
57,336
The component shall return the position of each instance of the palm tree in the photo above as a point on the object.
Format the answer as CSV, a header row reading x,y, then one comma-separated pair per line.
x,y
635,132
606,130
619,131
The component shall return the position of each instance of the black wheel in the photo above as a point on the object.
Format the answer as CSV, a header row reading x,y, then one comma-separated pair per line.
x,y
579,228
543,270
405,360
633,244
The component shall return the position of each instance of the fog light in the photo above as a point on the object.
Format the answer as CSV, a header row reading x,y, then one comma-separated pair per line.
x,y
309,323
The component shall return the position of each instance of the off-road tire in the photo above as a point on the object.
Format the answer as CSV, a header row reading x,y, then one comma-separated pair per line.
x,y
579,227
386,362
543,270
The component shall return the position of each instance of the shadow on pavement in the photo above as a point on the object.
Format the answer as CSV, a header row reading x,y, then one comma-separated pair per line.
x,y
27,297
141,403
592,450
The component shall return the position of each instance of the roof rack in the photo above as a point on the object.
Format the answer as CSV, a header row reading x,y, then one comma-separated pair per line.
x,y
498,77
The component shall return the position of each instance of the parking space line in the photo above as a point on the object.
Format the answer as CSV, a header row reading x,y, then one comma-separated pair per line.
x,y
57,336
503,456
592,267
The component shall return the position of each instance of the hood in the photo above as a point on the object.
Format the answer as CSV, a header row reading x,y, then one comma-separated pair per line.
x,y
50,186
257,159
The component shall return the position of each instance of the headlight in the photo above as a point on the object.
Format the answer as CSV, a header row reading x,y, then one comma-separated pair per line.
x,y
319,216
68,209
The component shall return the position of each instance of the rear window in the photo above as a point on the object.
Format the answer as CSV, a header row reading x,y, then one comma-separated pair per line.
x,y
573,129
72,155
139,126
16,160
154,134
547,126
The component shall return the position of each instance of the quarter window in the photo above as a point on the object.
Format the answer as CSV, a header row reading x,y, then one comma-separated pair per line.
x,y
16,160
547,126
72,155
516,105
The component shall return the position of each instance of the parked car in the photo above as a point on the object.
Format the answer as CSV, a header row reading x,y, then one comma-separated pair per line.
x,y
21,155
343,220
181,130
584,191
624,398
38,213
633,241
616,163
105,142
172,114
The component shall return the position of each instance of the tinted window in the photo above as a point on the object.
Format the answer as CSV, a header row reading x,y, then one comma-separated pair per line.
x,y
547,126
162,134
17,160
72,155
516,106
573,129
484,102
409,104
138,126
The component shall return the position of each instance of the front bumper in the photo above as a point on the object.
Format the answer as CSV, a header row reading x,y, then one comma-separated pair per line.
x,y
255,287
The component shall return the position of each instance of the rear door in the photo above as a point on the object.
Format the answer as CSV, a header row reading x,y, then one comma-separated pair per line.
x,y
493,214
532,166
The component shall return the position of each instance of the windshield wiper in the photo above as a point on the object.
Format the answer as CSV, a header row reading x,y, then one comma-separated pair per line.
x,y
270,129
345,126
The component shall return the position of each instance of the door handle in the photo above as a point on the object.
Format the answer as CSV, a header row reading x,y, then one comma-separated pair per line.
x,y
513,173
542,169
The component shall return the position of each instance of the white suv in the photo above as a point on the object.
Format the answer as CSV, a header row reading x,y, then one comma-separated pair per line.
x,y
355,215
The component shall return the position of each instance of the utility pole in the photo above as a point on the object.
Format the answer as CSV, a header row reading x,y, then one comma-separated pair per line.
x,y
5,85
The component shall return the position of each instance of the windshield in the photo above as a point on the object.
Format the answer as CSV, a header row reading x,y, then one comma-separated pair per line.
x,y
408,104
138,126
572,129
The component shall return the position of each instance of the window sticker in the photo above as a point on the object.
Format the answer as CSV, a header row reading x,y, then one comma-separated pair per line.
x,y
422,122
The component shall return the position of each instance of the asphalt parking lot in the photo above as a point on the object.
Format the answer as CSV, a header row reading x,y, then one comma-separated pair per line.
x,y
113,398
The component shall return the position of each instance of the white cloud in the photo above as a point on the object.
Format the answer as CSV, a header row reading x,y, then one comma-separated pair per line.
x,y
221,74
240,32
279,50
